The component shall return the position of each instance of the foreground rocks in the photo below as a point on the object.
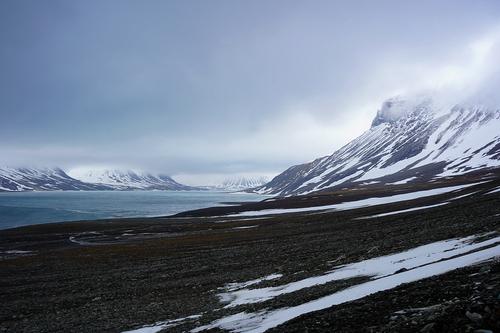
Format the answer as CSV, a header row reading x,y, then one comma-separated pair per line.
x,y
465,300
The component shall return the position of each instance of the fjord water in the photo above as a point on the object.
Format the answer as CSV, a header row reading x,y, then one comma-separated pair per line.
x,y
25,208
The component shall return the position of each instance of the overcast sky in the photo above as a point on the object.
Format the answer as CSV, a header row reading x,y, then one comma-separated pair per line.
x,y
200,89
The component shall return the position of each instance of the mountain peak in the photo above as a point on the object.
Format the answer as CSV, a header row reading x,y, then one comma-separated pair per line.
x,y
52,179
126,179
238,183
420,140
41,179
398,107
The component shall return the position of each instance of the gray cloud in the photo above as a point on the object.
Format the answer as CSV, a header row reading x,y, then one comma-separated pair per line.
x,y
221,87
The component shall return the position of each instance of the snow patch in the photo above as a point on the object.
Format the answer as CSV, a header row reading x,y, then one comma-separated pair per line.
x,y
161,325
401,211
359,203
404,181
384,277
373,268
247,227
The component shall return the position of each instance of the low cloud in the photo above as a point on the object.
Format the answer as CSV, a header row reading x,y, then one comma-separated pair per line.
x,y
250,96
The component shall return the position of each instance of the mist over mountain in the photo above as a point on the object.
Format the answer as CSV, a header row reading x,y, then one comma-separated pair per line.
x,y
238,183
199,90
127,179
414,140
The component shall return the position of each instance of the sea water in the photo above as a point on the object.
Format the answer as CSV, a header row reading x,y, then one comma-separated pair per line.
x,y
25,208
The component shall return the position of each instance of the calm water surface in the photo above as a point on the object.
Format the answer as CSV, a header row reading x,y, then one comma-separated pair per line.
x,y
24,208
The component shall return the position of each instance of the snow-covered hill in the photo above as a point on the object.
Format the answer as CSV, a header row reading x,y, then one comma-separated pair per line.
x,y
126,179
53,179
409,141
41,179
241,183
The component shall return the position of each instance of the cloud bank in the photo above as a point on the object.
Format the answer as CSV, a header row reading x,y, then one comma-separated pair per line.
x,y
202,90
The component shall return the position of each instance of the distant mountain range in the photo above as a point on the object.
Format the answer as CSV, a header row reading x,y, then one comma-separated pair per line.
x,y
100,179
241,183
52,179
409,141
127,179
41,179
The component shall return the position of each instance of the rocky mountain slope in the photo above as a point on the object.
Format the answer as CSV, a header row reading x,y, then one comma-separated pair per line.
x,y
127,179
409,141
41,179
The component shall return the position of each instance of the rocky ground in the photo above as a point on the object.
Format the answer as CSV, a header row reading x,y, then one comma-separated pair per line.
x,y
464,300
116,275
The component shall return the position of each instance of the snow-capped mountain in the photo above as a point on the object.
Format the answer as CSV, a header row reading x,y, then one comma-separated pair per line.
x,y
41,179
241,183
53,179
127,179
410,140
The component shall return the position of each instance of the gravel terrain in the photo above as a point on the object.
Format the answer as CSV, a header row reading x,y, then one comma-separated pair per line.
x,y
117,275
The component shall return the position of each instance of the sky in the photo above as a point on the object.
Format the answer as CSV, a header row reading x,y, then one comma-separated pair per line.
x,y
202,90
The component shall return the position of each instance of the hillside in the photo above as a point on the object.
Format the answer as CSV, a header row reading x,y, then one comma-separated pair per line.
x,y
409,141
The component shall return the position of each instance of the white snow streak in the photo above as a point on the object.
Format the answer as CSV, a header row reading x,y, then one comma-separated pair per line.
x,y
494,191
359,203
161,325
374,268
247,227
401,211
404,181
239,285
261,321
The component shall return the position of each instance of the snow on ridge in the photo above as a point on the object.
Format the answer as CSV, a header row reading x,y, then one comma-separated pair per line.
x,y
124,178
51,179
397,107
38,179
411,139
239,183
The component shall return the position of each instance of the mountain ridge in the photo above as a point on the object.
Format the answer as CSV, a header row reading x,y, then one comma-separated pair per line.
x,y
127,179
42,179
55,179
239,183
417,141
